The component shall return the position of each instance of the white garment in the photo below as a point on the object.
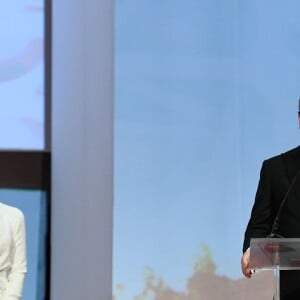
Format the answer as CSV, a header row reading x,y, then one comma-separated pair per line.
x,y
12,252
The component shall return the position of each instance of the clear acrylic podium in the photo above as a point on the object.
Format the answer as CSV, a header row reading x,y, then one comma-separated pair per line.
x,y
275,254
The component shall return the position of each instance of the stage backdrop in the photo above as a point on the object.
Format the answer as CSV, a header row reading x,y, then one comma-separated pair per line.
x,y
205,90
22,111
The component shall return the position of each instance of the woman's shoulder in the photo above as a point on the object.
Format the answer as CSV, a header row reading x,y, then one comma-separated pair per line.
x,y
11,211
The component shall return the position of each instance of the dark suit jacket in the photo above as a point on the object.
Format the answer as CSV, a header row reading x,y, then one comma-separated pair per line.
x,y
277,174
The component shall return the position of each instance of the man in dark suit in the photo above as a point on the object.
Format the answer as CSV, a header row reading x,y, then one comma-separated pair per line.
x,y
279,179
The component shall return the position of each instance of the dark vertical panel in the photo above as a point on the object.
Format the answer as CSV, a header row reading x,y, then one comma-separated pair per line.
x,y
48,101
48,72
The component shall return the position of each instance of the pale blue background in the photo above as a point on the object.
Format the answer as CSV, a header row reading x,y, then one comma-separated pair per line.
x,y
205,91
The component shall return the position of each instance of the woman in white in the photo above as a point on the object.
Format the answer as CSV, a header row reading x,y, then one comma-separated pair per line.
x,y
13,265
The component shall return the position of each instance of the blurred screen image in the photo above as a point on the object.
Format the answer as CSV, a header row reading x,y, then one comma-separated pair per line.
x,y
22,74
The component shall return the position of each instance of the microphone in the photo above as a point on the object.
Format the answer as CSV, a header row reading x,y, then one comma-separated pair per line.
x,y
275,225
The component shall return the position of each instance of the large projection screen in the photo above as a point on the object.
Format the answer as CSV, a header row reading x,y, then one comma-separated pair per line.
x,y
24,91
22,113
205,91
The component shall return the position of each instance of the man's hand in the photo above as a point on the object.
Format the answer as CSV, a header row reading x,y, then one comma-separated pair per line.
x,y
245,263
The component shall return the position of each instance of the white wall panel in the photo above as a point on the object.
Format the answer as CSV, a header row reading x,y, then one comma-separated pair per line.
x,y
82,149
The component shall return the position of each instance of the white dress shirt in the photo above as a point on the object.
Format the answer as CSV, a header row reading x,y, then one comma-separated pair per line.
x,y
13,265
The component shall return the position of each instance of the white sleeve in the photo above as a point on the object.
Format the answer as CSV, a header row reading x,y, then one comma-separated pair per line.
x,y
19,264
